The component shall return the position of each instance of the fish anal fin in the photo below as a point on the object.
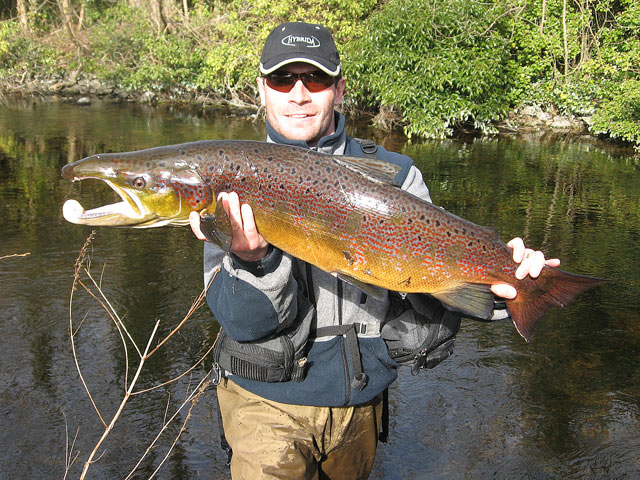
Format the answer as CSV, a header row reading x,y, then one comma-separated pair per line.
x,y
472,299
371,290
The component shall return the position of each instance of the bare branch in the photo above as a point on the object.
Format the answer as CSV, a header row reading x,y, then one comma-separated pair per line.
x,y
107,430
15,255
76,279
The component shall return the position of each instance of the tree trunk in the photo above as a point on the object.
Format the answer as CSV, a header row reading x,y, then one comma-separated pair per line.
x,y
65,15
565,40
156,15
21,5
543,15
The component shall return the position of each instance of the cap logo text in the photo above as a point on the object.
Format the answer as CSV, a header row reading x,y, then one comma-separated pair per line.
x,y
294,40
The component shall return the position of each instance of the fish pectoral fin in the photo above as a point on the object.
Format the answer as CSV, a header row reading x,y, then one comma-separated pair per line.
x,y
371,290
472,299
216,227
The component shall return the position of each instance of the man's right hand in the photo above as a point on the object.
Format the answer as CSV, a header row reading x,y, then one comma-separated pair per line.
x,y
246,242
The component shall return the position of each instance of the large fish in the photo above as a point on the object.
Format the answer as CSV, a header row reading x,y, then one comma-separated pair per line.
x,y
341,214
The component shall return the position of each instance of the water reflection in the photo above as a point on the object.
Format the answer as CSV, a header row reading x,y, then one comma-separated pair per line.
x,y
564,406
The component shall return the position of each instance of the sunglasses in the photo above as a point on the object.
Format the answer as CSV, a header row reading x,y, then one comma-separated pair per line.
x,y
315,81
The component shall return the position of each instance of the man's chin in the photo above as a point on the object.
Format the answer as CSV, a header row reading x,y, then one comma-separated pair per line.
x,y
302,132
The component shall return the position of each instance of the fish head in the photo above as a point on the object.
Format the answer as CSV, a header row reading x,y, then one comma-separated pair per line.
x,y
156,189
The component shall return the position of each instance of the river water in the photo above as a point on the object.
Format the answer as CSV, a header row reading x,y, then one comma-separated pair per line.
x,y
564,406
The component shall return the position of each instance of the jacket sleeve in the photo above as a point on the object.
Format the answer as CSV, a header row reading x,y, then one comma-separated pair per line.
x,y
251,300
414,184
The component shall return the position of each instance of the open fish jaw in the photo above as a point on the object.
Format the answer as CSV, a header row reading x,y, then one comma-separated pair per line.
x,y
129,211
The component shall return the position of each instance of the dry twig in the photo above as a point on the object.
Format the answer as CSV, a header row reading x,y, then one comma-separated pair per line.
x,y
15,255
93,288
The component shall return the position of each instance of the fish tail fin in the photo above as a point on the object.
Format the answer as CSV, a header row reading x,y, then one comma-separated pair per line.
x,y
553,288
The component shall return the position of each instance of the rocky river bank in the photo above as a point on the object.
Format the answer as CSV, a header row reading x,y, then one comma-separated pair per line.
x,y
527,120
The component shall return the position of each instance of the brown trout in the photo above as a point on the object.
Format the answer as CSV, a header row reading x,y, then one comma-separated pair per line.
x,y
341,214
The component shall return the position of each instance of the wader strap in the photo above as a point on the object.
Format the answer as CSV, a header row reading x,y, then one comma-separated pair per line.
x,y
311,295
383,436
350,334
223,439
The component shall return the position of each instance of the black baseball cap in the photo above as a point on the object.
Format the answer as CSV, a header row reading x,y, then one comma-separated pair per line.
x,y
300,42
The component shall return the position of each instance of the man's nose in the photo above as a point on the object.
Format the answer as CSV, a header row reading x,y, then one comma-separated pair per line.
x,y
299,93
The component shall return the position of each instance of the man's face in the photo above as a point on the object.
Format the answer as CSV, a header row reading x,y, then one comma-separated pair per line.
x,y
300,114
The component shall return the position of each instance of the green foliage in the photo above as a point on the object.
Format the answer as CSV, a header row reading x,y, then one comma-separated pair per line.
x,y
620,115
23,58
240,27
440,64
603,52
429,66
134,55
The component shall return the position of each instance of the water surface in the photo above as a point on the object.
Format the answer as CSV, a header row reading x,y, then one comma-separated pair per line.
x,y
565,405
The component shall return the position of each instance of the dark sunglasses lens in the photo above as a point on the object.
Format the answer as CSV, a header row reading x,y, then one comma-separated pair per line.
x,y
317,81
284,81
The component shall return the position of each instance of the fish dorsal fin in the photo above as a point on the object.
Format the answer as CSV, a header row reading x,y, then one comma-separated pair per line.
x,y
371,168
472,299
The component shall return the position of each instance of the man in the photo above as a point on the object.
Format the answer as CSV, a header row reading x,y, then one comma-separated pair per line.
x,y
325,423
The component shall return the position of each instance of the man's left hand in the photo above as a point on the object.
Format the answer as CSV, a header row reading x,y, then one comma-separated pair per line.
x,y
531,263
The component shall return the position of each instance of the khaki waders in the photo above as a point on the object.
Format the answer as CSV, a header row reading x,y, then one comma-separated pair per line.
x,y
272,440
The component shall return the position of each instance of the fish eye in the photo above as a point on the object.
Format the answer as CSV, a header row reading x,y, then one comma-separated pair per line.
x,y
139,182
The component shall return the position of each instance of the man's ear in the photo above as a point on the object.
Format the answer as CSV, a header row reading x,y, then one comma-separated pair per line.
x,y
340,88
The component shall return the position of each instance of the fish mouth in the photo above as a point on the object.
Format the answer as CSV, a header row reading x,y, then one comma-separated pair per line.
x,y
130,211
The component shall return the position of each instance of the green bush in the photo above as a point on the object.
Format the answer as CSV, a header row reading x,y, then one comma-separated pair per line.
x,y
25,58
603,46
133,54
439,64
619,116
239,29
429,66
